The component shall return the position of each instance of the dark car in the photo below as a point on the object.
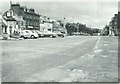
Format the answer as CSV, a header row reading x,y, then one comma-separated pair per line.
x,y
40,34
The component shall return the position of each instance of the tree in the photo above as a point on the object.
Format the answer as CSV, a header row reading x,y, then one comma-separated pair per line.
x,y
69,28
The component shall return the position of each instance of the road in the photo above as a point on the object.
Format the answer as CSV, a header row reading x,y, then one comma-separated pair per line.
x,y
69,59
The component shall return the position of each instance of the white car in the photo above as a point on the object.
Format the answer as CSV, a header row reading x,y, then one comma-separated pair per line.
x,y
40,34
49,34
59,33
28,34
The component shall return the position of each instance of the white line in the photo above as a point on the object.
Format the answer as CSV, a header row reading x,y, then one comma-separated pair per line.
x,y
96,46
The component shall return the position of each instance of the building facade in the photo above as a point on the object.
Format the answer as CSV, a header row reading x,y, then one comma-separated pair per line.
x,y
51,25
119,18
113,26
11,23
46,24
26,16
119,22
3,24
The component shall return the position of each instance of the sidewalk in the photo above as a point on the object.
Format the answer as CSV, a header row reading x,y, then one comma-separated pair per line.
x,y
11,38
0,37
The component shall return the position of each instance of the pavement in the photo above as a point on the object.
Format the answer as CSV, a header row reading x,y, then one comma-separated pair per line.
x,y
1,37
69,59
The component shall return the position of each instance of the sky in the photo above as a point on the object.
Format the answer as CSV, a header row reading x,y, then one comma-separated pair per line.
x,y
93,13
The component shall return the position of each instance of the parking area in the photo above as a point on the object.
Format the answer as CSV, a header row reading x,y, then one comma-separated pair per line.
x,y
69,59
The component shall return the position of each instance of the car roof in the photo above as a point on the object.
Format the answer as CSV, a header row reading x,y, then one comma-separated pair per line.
x,y
26,30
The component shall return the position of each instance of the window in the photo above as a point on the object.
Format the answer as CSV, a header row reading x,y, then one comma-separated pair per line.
x,y
27,32
5,29
49,29
22,23
17,23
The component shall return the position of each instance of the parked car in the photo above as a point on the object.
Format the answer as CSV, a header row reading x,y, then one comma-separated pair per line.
x,y
40,34
5,36
28,34
49,34
59,33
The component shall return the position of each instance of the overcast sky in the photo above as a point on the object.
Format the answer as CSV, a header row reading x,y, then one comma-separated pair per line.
x,y
94,13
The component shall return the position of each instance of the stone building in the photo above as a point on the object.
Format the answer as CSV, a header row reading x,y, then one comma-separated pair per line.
x,y
51,25
113,26
10,22
27,16
46,24
119,18
3,24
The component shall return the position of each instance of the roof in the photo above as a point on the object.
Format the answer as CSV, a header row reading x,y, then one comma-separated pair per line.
x,y
10,19
18,18
3,24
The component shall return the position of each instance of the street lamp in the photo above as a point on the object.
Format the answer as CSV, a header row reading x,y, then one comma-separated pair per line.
x,y
77,28
64,26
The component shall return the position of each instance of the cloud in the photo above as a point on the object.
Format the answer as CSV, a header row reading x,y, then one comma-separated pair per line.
x,y
94,13
65,0
119,6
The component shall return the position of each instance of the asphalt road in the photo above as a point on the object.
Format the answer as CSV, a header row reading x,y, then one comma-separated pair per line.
x,y
69,59
0,58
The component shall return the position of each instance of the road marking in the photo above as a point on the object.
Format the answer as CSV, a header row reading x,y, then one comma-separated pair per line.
x,y
74,70
89,55
104,56
80,70
105,44
98,51
68,69
113,51
96,46
60,66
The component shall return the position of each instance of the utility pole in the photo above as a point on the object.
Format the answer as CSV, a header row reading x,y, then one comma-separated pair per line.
x,y
64,25
77,28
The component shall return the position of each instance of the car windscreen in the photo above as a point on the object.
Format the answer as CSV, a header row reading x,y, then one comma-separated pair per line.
x,y
27,31
33,31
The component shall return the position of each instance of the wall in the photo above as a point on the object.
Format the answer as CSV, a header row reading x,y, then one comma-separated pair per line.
x,y
46,27
29,16
11,25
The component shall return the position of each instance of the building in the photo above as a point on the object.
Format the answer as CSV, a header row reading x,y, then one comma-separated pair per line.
x,y
56,26
119,23
3,24
59,25
26,18
119,18
46,24
113,26
105,31
10,22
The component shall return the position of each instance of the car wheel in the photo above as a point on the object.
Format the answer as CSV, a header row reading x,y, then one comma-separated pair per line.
x,y
22,37
51,36
32,36
63,36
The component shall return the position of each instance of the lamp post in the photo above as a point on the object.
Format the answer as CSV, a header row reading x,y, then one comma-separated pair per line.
x,y
64,25
77,28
